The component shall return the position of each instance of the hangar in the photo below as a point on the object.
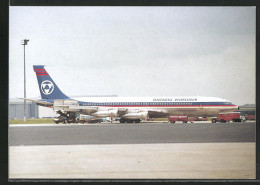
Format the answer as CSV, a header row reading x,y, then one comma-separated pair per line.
x,y
16,110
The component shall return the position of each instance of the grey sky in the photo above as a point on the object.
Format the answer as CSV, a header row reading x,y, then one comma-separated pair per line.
x,y
136,51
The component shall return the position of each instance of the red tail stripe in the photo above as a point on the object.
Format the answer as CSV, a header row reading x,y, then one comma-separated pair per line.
x,y
39,69
37,72
42,75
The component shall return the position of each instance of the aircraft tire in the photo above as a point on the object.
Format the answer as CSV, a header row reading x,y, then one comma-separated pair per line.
x,y
122,121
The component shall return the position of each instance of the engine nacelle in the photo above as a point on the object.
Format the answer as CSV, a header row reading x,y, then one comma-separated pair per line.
x,y
135,111
109,113
140,115
89,110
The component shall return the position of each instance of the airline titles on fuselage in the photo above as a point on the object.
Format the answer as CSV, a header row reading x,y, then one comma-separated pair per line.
x,y
155,101
176,99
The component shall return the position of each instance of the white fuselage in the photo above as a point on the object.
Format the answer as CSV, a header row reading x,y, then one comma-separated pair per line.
x,y
190,106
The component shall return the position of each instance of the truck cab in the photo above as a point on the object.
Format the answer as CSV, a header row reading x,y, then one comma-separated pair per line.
x,y
227,117
174,118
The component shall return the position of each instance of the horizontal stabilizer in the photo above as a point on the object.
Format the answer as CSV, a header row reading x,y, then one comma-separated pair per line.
x,y
37,101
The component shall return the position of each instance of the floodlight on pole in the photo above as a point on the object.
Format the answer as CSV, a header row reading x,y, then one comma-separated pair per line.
x,y
24,42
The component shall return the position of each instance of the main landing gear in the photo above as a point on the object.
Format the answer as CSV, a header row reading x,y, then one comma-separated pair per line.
x,y
69,117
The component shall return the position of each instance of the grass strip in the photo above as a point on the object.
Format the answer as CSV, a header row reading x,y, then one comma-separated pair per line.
x,y
31,121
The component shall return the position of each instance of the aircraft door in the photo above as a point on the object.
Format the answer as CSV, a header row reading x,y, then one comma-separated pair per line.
x,y
201,106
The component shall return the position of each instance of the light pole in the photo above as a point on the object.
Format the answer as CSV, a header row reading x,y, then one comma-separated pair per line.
x,y
24,42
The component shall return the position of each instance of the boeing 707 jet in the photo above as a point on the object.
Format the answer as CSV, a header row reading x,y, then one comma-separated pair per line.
x,y
129,109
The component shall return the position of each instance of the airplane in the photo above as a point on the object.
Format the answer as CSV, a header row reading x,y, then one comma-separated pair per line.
x,y
129,109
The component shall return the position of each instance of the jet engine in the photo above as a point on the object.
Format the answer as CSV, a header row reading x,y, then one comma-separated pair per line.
x,y
139,115
109,113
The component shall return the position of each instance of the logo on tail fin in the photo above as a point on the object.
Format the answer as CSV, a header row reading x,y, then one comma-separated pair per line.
x,y
47,87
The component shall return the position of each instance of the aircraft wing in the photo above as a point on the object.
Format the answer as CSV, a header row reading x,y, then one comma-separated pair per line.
x,y
39,102
82,107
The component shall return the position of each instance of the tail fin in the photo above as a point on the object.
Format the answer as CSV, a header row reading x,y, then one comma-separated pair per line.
x,y
48,88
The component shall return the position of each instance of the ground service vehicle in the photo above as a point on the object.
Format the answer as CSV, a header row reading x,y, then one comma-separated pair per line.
x,y
79,119
174,118
250,117
243,119
94,120
83,119
201,119
226,117
63,119
88,119
192,119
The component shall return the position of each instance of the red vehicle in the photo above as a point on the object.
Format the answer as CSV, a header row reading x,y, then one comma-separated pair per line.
x,y
226,117
192,119
174,118
250,117
201,119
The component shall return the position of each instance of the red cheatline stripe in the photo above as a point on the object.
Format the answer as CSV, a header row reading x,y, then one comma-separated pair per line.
x,y
42,75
